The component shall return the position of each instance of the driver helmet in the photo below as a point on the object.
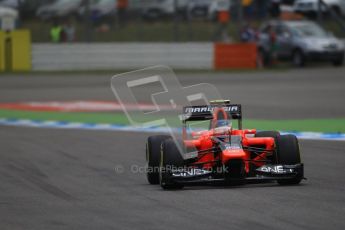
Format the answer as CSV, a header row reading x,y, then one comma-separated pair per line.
x,y
222,123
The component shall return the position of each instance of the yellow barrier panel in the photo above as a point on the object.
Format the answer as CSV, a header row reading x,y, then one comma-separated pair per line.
x,y
21,50
2,51
15,50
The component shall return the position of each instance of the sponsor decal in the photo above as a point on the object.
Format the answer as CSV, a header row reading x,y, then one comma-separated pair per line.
x,y
190,155
232,146
209,109
275,169
190,172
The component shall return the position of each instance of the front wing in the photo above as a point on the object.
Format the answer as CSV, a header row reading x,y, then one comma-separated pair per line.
x,y
263,173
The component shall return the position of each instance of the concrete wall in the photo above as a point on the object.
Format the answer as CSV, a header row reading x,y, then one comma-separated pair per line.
x,y
83,56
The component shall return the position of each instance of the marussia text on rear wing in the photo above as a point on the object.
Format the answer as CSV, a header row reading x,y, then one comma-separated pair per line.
x,y
204,112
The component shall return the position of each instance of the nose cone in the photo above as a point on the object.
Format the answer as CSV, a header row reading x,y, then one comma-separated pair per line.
x,y
230,154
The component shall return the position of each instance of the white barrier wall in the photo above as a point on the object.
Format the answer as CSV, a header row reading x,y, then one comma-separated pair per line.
x,y
87,56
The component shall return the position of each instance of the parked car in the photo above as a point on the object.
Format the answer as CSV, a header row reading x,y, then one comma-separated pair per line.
x,y
287,2
59,8
28,8
100,8
310,7
155,9
300,42
199,8
11,3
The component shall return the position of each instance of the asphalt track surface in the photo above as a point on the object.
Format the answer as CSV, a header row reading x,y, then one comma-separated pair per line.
x,y
70,179
294,94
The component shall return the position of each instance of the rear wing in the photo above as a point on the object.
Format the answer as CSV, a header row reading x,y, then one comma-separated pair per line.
x,y
205,112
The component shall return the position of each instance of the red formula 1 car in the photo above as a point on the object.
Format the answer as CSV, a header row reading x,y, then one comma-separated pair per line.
x,y
221,153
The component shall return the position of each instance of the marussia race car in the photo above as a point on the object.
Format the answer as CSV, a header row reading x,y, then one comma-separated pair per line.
x,y
222,153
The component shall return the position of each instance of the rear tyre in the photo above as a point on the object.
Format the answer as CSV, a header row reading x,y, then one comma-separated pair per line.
x,y
153,153
288,153
170,159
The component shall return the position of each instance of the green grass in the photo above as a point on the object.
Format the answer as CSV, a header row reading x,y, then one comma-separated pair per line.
x,y
312,125
336,125
116,118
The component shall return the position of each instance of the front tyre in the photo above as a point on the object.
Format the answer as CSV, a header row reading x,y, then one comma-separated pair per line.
x,y
273,134
288,153
171,158
153,152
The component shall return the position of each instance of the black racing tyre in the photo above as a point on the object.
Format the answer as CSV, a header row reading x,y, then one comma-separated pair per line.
x,y
288,153
170,158
298,58
153,153
275,135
